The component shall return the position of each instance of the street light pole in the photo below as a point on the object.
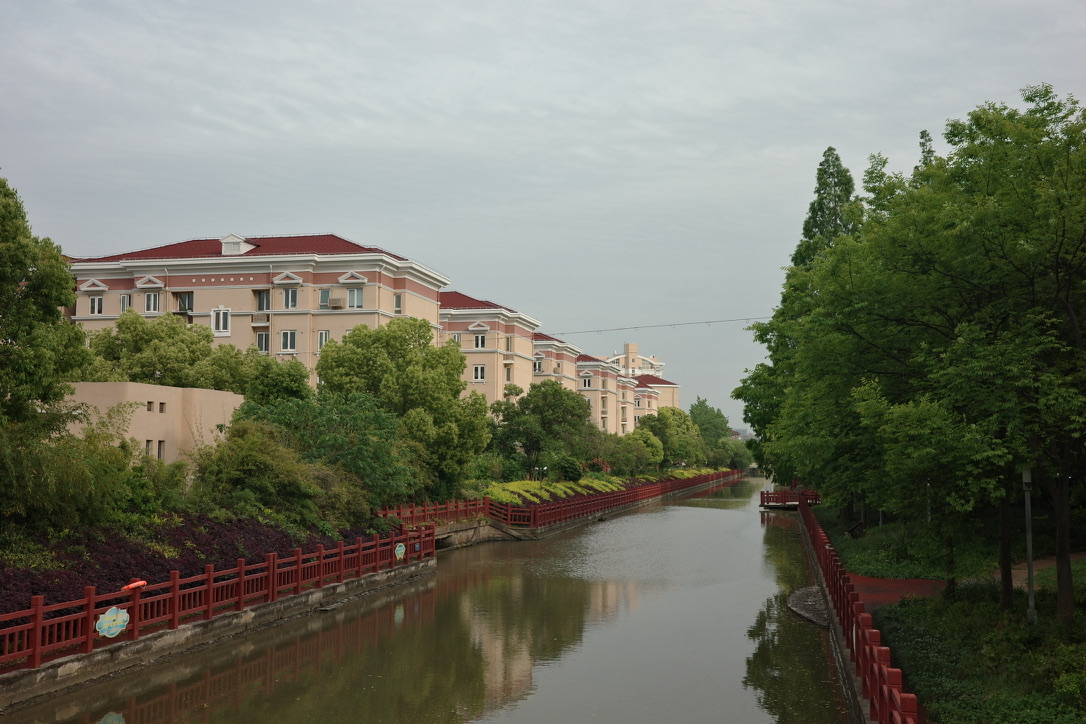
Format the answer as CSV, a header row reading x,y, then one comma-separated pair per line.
x,y
1027,486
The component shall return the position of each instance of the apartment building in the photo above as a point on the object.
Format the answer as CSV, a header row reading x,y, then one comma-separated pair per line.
x,y
496,340
666,393
634,364
287,295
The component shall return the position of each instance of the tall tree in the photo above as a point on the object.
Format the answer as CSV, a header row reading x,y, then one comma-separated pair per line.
x,y
679,435
548,418
421,384
39,348
834,211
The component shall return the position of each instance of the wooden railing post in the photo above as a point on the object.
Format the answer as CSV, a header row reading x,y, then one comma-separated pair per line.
x,y
297,571
175,598
89,592
271,565
134,615
37,617
240,604
340,563
209,592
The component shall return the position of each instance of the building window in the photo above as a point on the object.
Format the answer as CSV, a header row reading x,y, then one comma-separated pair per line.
x,y
183,301
149,446
478,373
397,303
126,302
323,336
637,402
509,343
558,368
354,298
323,295
538,368
509,373
262,339
290,299
161,449
150,405
263,300
162,407
456,337
289,341
220,321
96,304
586,382
480,341
150,302
603,383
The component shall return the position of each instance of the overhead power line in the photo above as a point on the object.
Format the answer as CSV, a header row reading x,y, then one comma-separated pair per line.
x,y
654,326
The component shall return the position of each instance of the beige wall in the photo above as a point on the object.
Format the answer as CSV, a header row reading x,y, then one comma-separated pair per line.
x,y
167,421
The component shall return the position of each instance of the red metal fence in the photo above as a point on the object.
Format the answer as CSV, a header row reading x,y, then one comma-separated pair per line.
x,y
541,515
890,703
43,631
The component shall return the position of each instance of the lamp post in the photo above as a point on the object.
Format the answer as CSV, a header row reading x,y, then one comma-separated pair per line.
x,y
1027,486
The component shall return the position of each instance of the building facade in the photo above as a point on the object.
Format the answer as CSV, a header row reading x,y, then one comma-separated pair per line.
x,y
166,421
496,340
286,295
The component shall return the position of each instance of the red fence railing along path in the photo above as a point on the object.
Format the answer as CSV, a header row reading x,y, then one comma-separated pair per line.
x,y
46,631
881,682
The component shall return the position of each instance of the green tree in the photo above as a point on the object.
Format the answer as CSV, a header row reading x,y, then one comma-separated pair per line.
x,y
834,211
715,431
350,432
39,349
678,434
548,418
421,384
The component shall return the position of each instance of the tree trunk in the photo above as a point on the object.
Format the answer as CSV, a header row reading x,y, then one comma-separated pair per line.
x,y
1006,581
1060,490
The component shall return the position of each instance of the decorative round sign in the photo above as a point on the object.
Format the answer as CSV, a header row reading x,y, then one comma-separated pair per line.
x,y
112,622
401,549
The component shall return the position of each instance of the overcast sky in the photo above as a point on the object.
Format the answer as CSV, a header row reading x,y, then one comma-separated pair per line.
x,y
597,165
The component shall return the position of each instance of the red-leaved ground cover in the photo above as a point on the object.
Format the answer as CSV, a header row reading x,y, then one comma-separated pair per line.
x,y
109,561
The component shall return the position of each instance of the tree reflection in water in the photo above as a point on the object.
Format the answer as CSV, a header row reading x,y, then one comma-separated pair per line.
x,y
791,670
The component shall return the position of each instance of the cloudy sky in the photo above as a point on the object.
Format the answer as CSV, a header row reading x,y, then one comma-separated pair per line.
x,y
616,169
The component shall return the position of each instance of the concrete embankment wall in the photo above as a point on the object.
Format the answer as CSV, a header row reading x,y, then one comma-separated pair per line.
x,y
26,684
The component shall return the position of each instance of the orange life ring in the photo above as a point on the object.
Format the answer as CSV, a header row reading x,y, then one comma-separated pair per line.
x,y
134,584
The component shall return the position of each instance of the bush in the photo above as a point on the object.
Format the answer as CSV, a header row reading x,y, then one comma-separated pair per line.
x,y
568,469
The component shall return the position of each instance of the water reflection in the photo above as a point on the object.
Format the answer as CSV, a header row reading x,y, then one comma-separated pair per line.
x,y
641,618
790,692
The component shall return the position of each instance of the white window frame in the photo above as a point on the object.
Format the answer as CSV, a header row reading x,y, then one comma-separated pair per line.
x,y
537,367
263,299
456,337
97,304
397,304
150,302
354,297
323,298
220,322
263,342
290,298
586,382
288,341
323,335
126,302
480,341
181,297
478,373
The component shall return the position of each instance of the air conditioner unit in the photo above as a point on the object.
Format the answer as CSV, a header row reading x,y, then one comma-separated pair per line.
x,y
335,303
260,318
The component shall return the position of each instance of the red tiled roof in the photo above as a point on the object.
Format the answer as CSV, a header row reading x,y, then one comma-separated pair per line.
x,y
540,337
265,246
458,300
653,380
589,358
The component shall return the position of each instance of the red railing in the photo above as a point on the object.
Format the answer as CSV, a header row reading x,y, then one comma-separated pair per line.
x,y
789,497
881,683
541,515
45,631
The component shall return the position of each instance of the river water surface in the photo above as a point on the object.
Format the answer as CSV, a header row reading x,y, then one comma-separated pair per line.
x,y
673,613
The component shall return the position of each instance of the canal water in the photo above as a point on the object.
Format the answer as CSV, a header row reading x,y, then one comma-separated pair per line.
x,y
674,613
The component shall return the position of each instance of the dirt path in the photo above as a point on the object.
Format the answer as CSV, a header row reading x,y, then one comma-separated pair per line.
x,y
1019,574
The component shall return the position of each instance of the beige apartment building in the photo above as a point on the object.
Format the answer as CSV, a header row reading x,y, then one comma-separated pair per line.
x,y
496,340
287,295
166,421
634,364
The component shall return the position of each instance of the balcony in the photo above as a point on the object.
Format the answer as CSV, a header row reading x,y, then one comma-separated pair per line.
x,y
260,319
